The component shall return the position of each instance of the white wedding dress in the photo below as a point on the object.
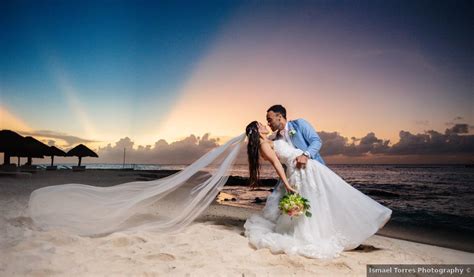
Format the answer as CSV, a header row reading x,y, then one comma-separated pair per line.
x,y
342,217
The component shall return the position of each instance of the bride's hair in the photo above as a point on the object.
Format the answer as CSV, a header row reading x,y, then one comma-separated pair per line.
x,y
253,147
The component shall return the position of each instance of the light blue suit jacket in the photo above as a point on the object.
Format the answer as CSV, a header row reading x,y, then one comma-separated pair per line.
x,y
305,138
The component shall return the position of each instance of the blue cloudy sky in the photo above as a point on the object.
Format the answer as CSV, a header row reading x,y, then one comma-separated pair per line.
x,y
373,77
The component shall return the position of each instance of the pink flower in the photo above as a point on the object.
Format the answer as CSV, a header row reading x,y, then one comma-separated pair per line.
x,y
294,211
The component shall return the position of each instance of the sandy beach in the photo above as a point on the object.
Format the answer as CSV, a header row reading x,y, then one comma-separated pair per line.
x,y
213,245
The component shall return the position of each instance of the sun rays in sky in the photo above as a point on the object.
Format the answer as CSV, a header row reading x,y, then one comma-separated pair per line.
x,y
316,67
165,71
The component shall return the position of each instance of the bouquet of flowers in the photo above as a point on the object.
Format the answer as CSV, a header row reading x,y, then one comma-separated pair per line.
x,y
294,204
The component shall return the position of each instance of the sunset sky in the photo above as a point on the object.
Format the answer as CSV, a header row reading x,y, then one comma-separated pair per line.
x,y
373,77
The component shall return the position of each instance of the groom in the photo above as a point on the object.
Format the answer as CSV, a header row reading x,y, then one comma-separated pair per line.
x,y
298,133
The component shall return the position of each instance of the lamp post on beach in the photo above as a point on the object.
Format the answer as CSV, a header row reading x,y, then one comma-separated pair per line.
x,y
123,165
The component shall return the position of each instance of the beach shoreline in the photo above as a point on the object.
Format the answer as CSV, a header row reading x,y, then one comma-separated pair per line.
x,y
244,201
213,245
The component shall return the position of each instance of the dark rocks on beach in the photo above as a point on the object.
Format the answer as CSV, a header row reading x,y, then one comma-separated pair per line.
x,y
259,200
231,181
244,181
231,199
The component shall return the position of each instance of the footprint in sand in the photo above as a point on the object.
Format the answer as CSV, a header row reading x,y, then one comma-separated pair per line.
x,y
162,257
342,265
125,241
217,237
21,221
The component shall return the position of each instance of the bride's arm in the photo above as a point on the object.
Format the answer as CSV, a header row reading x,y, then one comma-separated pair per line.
x,y
269,154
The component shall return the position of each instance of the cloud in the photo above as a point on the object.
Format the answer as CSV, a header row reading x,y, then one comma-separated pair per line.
x,y
183,151
433,142
454,120
455,141
335,144
70,140
459,129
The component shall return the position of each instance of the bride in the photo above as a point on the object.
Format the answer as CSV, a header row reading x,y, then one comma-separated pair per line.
x,y
342,217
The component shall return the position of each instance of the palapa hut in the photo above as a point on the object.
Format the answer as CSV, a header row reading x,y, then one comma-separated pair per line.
x,y
33,148
14,145
81,151
10,144
54,151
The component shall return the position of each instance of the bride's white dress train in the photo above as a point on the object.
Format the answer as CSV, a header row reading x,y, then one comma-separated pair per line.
x,y
342,217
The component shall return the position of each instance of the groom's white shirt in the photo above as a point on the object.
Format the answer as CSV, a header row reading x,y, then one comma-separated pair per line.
x,y
285,134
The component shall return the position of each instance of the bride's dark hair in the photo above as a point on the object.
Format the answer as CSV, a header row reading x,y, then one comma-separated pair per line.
x,y
253,147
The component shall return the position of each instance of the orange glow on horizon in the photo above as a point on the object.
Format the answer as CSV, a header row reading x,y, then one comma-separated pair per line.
x,y
10,121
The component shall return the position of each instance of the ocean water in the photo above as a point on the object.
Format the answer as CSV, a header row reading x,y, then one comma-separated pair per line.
x,y
430,196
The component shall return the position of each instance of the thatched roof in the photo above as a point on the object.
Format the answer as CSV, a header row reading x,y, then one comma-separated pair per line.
x,y
81,151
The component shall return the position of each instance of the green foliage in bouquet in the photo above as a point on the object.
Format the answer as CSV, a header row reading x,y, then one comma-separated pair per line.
x,y
294,204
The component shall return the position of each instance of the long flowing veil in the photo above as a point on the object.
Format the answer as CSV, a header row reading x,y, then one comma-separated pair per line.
x,y
166,204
